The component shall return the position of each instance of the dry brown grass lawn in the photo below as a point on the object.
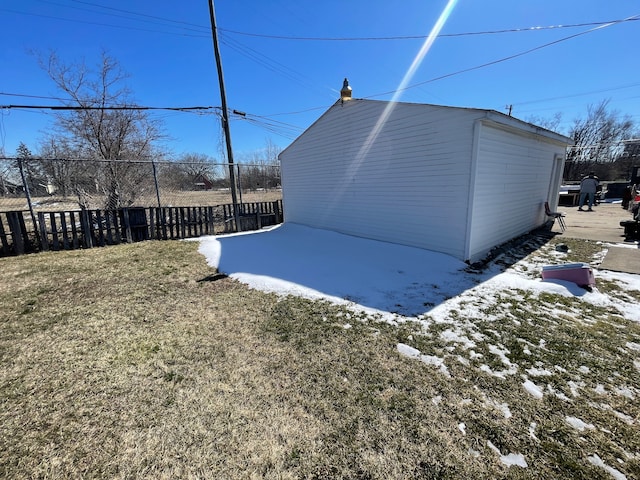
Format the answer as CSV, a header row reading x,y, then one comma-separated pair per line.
x,y
173,198
130,362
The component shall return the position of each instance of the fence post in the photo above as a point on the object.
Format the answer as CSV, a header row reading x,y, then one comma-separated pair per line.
x,y
44,241
258,216
74,230
25,185
54,231
18,233
3,237
127,225
155,180
182,232
85,226
276,210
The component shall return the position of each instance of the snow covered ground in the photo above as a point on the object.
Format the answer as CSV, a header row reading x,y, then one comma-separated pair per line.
x,y
389,279
399,284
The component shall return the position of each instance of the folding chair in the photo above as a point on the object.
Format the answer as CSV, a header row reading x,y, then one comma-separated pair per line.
x,y
555,215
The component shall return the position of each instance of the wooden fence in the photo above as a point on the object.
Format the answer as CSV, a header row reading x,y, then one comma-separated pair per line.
x,y
68,230
252,216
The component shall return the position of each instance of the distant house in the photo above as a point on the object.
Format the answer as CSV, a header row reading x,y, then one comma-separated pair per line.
x,y
454,180
201,182
10,188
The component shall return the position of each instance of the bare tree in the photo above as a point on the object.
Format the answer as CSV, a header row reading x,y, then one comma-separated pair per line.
x,y
200,165
67,176
552,124
629,158
95,130
263,169
598,141
189,170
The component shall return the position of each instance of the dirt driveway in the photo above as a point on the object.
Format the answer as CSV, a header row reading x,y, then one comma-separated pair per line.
x,y
603,223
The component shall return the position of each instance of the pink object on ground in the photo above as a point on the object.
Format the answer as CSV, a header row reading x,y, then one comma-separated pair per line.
x,y
579,273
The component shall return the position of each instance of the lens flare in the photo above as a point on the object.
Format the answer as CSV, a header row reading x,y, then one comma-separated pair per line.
x,y
354,167
435,31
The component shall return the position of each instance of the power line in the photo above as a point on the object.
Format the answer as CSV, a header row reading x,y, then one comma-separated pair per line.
x,y
141,160
32,96
494,62
142,14
577,94
422,37
198,28
504,59
279,128
132,107
183,25
269,63
101,24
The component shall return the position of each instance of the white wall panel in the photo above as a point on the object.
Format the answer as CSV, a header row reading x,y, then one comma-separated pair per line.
x,y
410,183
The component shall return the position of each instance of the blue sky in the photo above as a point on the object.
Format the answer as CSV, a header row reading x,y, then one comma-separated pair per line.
x,y
284,61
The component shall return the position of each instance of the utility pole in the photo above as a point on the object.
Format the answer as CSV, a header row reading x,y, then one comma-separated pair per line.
x,y
225,117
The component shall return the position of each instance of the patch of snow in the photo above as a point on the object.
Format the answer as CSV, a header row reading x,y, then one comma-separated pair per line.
x,y
633,346
624,392
533,389
493,447
532,430
628,419
511,459
559,395
411,352
597,461
578,424
436,362
463,428
500,374
600,390
539,372
501,407
457,337
573,387
408,351
629,455
474,355
463,361
501,353
584,369
516,459
385,279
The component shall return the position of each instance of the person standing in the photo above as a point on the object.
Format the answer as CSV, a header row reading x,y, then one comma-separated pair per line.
x,y
588,188
626,197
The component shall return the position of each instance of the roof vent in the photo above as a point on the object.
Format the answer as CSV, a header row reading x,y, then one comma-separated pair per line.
x,y
345,93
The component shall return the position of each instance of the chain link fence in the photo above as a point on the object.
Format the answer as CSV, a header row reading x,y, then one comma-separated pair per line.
x,y
55,204
46,184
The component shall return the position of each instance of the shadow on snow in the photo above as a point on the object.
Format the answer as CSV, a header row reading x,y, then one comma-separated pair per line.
x,y
299,260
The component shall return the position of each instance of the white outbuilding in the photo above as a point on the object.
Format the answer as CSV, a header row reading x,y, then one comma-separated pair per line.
x,y
454,180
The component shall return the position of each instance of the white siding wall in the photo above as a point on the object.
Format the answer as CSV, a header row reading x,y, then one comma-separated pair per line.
x,y
409,187
513,172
